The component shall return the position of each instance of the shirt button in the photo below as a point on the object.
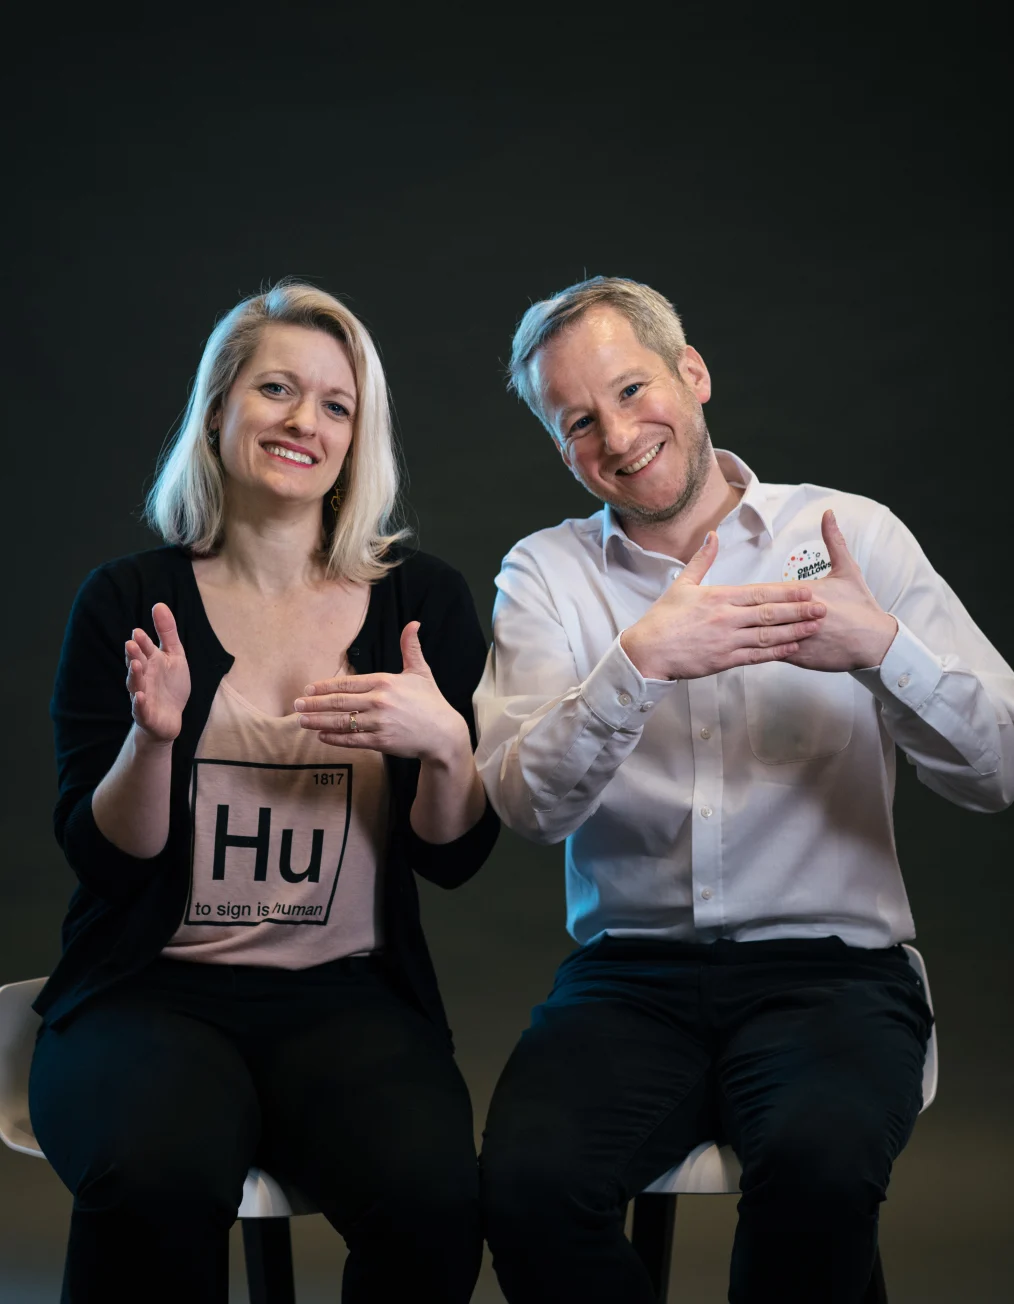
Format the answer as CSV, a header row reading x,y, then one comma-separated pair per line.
x,y
624,699
705,734
707,812
646,706
705,893
904,681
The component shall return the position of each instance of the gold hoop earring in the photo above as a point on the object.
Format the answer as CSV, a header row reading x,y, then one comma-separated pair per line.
x,y
336,498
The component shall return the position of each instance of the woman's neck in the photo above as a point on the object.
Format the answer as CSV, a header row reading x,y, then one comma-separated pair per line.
x,y
271,553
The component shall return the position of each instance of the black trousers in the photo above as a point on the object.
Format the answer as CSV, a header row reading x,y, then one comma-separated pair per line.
x,y
805,1055
152,1103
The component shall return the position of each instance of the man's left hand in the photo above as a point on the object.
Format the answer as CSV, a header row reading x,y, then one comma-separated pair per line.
x,y
856,632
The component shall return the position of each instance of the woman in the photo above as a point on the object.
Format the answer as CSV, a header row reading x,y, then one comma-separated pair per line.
x,y
244,975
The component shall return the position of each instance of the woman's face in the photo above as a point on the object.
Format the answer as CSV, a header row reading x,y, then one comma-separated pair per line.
x,y
286,423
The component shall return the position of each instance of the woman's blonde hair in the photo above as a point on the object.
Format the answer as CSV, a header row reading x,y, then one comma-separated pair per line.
x,y
186,502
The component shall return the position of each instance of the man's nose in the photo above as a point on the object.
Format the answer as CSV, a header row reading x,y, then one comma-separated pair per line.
x,y
618,432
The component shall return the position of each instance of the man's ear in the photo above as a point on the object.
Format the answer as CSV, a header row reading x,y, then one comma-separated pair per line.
x,y
694,374
564,452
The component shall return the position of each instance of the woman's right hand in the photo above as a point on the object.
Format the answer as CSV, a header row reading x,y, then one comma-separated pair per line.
x,y
158,678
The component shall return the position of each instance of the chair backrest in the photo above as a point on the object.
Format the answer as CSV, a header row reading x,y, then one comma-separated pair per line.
x,y
18,1026
929,1068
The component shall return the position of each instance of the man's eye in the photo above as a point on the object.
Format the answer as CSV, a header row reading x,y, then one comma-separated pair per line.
x,y
582,423
630,390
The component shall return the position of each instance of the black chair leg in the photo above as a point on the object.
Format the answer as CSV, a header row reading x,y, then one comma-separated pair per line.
x,y
651,1236
267,1248
876,1291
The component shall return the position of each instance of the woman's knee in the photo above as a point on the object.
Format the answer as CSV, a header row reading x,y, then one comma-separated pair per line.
x,y
162,1183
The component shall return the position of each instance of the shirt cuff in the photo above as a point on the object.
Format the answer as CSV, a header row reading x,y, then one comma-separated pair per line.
x,y
619,695
909,672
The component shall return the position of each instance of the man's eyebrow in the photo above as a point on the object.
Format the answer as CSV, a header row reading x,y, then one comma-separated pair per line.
x,y
291,375
616,381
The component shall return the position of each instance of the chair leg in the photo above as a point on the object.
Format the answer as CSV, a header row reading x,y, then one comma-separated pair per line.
x,y
876,1291
651,1236
267,1248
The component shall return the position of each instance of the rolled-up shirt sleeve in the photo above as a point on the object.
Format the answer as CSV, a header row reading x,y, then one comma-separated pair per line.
x,y
550,740
946,695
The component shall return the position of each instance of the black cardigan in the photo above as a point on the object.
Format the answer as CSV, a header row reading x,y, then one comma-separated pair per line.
x,y
125,909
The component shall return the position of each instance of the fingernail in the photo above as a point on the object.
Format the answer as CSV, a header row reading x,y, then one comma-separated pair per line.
x,y
707,540
299,704
309,690
303,720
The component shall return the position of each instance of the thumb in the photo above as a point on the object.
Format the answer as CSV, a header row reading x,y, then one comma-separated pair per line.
x,y
412,657
837,549
700,563
165,628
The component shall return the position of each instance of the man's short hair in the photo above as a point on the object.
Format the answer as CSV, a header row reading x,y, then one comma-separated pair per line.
x,y
654,320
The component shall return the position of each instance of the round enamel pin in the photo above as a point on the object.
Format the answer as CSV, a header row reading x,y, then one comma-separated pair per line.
x,y
807,562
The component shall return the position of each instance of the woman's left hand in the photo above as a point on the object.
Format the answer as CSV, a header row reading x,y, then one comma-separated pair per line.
x,y
401,715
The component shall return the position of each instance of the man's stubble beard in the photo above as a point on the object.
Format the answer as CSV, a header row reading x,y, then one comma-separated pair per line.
x,y
698,470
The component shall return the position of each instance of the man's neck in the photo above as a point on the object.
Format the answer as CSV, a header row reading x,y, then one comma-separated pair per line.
x,y
683,535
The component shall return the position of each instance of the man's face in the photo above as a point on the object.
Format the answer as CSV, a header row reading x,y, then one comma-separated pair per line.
x,y
631,432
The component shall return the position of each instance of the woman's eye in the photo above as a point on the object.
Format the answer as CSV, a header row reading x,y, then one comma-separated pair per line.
x,y
338,409
630,390
273,387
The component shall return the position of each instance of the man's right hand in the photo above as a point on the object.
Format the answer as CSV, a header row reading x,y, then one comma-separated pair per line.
x,y
158,678
692,631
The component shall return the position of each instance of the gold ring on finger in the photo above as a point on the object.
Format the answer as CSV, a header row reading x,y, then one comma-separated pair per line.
x,y
353,726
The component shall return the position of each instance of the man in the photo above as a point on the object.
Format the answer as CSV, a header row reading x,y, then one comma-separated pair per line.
x,y
701,687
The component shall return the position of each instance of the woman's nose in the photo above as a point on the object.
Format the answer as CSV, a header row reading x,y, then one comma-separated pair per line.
x,y
302,417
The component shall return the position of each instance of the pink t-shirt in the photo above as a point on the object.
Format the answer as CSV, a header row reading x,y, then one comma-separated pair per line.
x,y
288,835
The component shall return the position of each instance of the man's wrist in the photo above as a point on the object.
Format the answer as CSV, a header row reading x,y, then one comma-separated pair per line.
x,y
879,644
641,658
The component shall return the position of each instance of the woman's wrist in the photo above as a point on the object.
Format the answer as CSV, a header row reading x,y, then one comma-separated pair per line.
x,y
143,742
451,744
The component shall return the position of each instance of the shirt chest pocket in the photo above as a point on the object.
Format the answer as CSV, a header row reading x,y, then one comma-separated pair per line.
x,y
797,715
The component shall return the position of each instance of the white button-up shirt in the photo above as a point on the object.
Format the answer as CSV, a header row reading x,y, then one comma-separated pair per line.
x,y
750,804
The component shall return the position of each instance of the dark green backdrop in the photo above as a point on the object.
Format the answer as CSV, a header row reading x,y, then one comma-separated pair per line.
x,y
823,200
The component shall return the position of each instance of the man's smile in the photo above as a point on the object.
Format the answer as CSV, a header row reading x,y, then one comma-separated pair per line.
x,y
644,460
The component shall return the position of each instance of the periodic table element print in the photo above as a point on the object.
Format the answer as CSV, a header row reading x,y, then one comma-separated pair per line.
x,y
268,842
808,561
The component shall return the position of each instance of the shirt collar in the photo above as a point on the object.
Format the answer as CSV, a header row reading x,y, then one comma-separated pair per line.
x,y
753,508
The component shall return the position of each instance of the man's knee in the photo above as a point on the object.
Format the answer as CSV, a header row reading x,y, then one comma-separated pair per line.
x,y
538,1191
820,1166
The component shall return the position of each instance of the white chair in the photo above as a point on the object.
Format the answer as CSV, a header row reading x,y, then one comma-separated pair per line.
x,y
714,1170
266,1206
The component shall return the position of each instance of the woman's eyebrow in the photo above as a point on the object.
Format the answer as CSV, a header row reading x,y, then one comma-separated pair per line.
x,y
291,375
